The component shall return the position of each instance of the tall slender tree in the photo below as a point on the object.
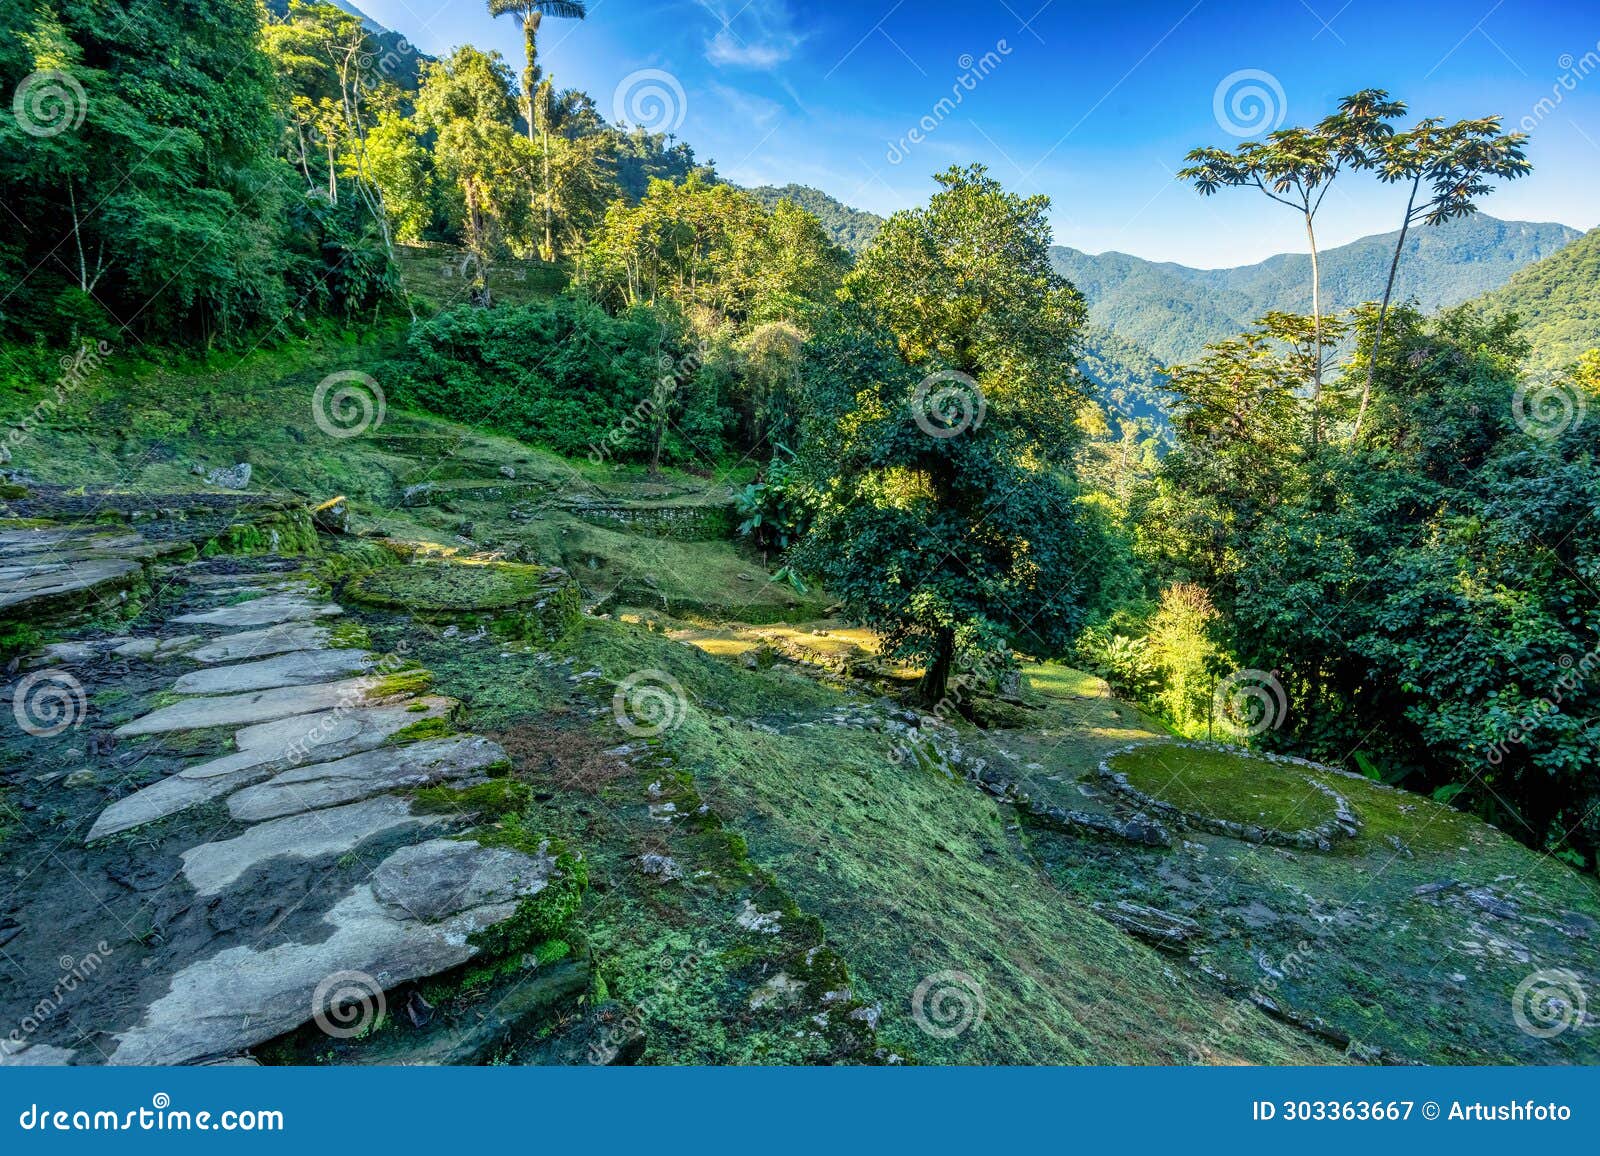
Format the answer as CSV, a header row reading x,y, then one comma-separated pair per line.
x,y
1296,167
536,96
1454,161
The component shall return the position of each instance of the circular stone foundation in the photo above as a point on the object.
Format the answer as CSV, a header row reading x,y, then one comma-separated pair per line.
x,y
526,599
1259,798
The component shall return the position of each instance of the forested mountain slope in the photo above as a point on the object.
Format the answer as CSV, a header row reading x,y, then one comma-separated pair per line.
x,y
1174,310
1558,301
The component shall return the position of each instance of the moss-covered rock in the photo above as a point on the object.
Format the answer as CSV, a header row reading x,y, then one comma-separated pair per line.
x,y
519,600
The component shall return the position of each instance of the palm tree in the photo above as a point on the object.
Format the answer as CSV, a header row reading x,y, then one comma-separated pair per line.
x,y
532,13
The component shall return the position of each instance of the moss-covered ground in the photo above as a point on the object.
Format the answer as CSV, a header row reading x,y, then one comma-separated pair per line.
x,y
768,881
1222,786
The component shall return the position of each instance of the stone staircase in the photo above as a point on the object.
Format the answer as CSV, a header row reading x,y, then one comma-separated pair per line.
x,y
250,859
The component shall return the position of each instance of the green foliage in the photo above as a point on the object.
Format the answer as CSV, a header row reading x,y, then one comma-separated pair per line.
x,y
851,229
565,374
713,251
162,205
1427,597
1555,302
958,340
1122,661
774,507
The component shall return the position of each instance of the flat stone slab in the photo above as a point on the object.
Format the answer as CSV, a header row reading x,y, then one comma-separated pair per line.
x,y
375,772
414,918
295,668
157,647
62,539
268,611
50,582
264,750
251,707
34,1055
260,643
213,867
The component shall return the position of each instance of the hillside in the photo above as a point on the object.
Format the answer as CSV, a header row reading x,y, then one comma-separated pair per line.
x,y
1558,300
851,229
1173,310
755,854
393,57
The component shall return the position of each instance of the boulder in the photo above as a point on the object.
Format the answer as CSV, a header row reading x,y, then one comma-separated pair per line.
x,y
235,477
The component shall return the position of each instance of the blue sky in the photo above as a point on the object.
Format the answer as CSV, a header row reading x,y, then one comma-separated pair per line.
x,y
1093,103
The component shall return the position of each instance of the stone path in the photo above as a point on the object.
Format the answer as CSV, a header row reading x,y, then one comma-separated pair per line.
x,y
308,798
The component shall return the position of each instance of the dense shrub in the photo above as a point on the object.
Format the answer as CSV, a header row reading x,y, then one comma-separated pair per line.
x,y
565,374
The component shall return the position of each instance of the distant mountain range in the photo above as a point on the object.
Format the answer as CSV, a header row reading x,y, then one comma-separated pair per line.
x,y
1173,310
1147,314
1558,300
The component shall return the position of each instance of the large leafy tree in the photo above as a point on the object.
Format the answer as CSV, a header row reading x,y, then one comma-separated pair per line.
x,y
1445,169
154,196
940,423
466,101
1296,167
715,252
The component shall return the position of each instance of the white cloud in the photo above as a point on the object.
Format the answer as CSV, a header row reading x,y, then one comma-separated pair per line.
x,y
758,35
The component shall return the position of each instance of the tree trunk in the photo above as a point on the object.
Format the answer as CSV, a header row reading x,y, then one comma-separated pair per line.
x,y
936,679
1383,312
1316,328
